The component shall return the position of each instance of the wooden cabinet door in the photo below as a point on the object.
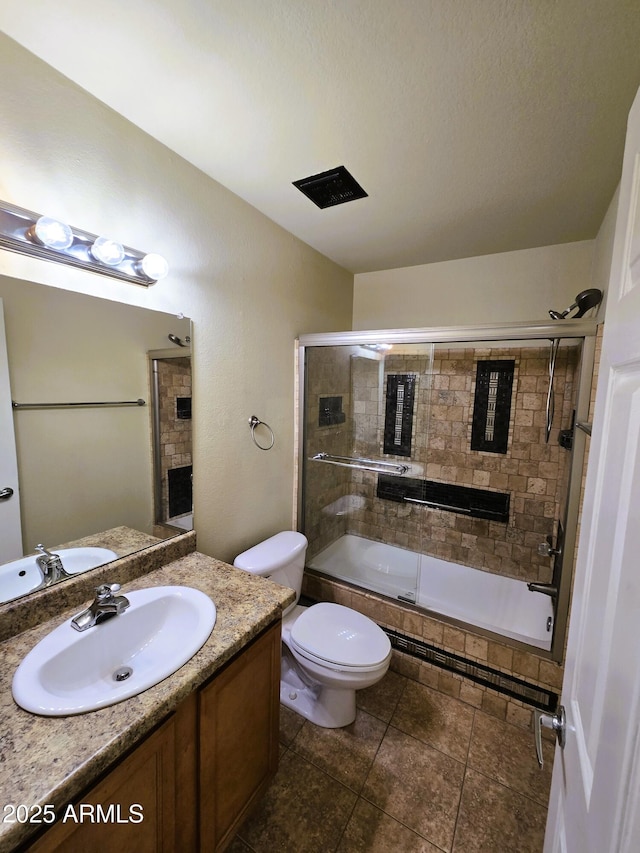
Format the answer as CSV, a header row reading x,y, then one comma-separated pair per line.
x,y
142,805
239,722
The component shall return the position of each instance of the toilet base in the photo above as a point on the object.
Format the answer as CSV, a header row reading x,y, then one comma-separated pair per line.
x,y
327,707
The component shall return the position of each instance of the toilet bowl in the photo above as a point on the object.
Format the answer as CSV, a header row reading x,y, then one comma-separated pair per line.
x,y
328,651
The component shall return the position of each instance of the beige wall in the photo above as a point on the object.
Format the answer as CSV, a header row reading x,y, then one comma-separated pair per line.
x,y
249,286
510,287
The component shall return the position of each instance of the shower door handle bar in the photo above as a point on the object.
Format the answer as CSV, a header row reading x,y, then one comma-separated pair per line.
x,y
435,505
378,467
553,354
138,402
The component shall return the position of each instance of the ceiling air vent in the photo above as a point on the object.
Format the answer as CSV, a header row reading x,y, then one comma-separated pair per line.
x,y
327,189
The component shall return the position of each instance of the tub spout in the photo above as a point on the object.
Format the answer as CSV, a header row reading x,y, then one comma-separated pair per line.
x,y
544,588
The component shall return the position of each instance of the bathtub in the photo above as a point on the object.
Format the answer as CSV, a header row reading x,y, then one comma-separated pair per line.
x,y
479,599
183,521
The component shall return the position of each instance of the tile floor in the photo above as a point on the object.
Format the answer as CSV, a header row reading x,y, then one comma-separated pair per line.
x,y
416,771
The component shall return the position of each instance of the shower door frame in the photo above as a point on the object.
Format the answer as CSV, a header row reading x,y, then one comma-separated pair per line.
x,y
584,330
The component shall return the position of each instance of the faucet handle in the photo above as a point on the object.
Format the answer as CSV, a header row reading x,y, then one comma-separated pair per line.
x,y
106,590
546,549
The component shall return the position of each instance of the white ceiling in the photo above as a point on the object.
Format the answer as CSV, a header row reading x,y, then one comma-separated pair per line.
x,y
476,126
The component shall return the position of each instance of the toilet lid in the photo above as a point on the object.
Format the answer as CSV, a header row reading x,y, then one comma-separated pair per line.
x,y
340,635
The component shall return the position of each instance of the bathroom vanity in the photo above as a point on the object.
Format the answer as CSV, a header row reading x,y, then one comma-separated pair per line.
x,y
174,768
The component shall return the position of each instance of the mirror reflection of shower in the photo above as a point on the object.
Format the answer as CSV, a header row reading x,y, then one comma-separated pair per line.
x,y
172,435
178,341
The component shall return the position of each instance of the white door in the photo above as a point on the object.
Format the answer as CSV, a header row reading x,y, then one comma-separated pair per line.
x,y
595,794
10,532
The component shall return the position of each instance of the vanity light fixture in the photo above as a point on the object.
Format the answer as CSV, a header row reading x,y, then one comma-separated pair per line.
x,y
51,233
154,266
44,237
107,251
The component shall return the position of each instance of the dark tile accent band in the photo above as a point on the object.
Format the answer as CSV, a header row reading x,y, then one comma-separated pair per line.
x,y
508,685
478,503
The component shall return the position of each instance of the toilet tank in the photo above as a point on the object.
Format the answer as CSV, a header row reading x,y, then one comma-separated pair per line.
x,y
279,558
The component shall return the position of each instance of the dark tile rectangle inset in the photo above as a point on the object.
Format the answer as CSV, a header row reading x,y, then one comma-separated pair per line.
x,y
476,503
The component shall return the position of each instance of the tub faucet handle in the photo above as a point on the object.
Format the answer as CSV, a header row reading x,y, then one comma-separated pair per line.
x,y
546,549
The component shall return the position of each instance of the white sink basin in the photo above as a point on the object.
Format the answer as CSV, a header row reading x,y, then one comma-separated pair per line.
x,y
22,576
72,672
77,560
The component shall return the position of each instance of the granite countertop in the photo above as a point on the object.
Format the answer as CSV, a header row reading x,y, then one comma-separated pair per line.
x,y
121,540
54,759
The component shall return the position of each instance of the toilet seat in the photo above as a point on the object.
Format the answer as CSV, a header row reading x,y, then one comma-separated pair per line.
x,y
339,638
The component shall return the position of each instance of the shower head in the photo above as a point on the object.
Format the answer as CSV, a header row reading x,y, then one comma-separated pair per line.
x,y
176,340
584,301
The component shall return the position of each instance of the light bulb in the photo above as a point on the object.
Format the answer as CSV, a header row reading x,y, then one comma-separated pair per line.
x,y
107,251
154,266
52,233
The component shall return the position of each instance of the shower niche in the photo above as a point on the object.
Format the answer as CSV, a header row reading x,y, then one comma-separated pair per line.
x,y
440,488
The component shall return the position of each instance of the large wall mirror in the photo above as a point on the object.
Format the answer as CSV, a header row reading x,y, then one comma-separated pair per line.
x,y
95,409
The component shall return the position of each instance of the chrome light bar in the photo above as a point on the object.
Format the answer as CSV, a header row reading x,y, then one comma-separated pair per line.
x,y
30,233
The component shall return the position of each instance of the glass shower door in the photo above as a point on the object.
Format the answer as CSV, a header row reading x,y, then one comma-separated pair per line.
x,y
362,423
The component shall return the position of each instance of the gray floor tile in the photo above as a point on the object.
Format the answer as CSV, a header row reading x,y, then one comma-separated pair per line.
x,y
416,784
507,754
436,719
494,818
304,810
346,754
381,699
370,830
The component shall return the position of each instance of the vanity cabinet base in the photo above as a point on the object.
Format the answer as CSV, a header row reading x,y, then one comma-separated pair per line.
x,y
196,777
239,738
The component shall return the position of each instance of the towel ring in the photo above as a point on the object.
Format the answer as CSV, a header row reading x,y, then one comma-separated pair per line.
x,y
255,422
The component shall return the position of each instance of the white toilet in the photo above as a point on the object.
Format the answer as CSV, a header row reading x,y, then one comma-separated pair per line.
x,y
328,651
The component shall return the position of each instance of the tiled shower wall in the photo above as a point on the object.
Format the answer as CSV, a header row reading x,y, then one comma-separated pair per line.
x,y
533,472
327,488
519,662
174,376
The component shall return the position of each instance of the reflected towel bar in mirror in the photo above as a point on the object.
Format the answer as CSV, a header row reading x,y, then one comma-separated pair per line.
x,y
375,465
138,402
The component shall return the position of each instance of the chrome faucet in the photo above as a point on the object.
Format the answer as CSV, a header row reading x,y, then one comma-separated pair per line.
x,y
50,566
104,606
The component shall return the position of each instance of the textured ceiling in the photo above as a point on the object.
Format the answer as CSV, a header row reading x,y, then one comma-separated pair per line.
x,y
475,126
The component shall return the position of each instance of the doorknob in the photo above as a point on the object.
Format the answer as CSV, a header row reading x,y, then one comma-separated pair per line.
x,y
6,493
557,722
